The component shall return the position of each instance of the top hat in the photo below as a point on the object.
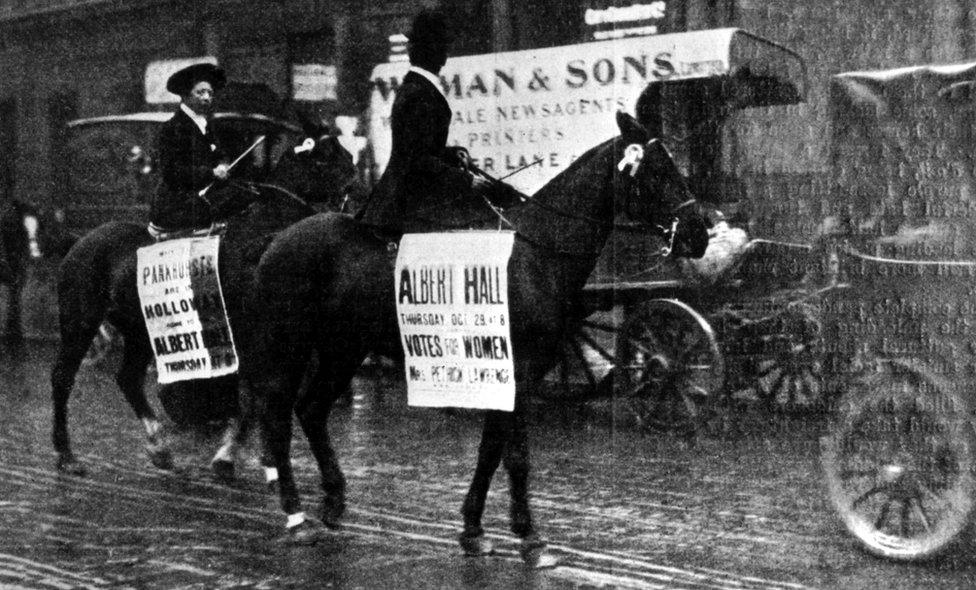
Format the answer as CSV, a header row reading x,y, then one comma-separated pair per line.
x,y
430,27
183,81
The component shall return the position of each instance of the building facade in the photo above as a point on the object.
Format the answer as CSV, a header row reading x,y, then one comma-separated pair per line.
x,y
65,59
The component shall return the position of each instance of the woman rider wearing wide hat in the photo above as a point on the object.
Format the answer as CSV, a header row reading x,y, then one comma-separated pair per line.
x,y
190,157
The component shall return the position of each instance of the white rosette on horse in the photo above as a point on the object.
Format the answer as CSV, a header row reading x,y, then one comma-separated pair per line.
x,y
452,309
182,304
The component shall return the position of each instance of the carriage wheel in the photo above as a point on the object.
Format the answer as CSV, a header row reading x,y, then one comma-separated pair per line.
x,y
793,379
899,464
793,375
669,370
588,356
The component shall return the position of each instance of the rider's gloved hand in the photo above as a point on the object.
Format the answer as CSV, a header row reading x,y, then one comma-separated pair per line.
x,y
222,171
479,182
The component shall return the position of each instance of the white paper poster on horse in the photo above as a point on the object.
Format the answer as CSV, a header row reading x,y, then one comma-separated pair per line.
x,y
452,309
182,304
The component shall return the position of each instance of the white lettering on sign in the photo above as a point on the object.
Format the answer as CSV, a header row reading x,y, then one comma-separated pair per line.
x,y
547,106
614,14
452,309
183,307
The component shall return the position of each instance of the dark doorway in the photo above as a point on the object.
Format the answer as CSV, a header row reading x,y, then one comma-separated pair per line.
x,y
61,108
8,148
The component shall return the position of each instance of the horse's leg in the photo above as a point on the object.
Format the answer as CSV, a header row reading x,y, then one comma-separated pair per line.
x,y
313,415
131,379
77,331
329,382
493,437
277,388
516,462
235,436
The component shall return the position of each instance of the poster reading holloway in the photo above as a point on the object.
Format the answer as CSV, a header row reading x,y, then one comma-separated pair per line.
x,y
181,301
452,308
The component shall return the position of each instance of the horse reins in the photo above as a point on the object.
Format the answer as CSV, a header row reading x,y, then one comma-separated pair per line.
x,y
291,196
633,226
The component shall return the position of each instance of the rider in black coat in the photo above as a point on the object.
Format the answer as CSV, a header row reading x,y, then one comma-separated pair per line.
x,y
422,172
190,158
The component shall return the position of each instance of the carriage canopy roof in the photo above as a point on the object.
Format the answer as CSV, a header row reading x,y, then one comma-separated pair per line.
x,y
767,72
161,117
902,159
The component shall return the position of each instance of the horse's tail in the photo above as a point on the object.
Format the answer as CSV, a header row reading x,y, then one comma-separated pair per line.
x,y
294,277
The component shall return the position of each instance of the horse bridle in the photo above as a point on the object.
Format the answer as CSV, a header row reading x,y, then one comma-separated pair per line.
x,y
308,145
633,157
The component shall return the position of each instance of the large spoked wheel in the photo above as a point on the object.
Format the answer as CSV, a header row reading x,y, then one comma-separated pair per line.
x,y
669,371
899,464
588,356
790,375
791,379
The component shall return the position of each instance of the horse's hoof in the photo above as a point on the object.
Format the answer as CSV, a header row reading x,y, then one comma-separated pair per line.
x,y
161,459
476,546
223,469
71,466
536,555
332,515
308,532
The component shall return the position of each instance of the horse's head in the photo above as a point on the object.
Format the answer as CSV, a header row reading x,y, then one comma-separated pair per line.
x,y
658,192
319,170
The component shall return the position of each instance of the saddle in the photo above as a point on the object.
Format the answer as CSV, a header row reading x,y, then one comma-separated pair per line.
x,y
161,234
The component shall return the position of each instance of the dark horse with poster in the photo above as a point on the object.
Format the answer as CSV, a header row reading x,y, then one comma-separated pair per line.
x,y
326,284
97,282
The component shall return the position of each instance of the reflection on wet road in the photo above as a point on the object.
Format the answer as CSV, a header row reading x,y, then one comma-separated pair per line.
x,y
740,510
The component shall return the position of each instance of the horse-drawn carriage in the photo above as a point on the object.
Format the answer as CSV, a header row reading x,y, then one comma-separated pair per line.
x,y
671,340
898,325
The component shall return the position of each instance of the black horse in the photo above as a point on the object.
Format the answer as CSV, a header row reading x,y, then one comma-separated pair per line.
x,y
326,284
97,281
20,242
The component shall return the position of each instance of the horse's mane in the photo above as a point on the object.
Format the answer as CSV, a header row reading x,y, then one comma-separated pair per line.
x,y
573,170
552,216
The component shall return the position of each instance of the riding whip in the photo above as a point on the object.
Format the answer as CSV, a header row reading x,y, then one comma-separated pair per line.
x,y
517,170
256,143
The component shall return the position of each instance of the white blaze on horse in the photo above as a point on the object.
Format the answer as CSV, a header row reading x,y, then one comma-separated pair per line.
x,y
97,282
326,285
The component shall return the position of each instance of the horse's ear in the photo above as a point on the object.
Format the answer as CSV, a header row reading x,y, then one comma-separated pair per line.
x,y
630,129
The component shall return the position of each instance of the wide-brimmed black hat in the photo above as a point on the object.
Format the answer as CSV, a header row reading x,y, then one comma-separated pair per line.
x,y
430,27
183,81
